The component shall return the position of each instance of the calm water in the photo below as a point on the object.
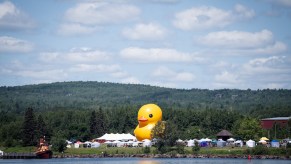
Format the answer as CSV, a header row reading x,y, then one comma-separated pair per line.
x,y
142,161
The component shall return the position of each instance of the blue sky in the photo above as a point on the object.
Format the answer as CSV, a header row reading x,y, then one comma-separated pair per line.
x,y
187,44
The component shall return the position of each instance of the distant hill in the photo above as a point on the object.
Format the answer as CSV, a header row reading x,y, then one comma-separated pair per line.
x,y
92,95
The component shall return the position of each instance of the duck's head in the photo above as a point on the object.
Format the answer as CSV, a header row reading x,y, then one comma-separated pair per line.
x,y
149,113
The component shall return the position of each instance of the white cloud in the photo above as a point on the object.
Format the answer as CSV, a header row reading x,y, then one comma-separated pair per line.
x,y
10,44
282,3
155,55
275,48
237,39
241,12
97,68
76,29
13,18
113,70
52,75
169,75
35,73
269,65
241,42
210,17
88,17
269,72
148,31
227,78
130,80
99,13
75,55
163,1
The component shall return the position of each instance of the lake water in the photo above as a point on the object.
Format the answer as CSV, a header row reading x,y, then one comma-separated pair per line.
x,y
142,161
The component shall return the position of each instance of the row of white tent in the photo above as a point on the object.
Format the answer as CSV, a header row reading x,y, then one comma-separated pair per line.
x,y
116,143
126,139
117,137
221,143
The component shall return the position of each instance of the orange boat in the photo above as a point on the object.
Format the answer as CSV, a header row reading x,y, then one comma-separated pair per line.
x,y
43,151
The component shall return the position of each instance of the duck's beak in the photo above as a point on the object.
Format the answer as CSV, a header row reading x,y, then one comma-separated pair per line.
x,y
142,119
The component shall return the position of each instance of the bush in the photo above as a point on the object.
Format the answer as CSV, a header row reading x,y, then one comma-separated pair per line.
x,y
260,150
161,147
180,149
196,148
146,150
59,145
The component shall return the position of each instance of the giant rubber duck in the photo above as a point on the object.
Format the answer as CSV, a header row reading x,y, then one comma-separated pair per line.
x,y
148,116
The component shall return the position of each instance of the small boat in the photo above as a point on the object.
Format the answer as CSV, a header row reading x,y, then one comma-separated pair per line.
x,y
43,151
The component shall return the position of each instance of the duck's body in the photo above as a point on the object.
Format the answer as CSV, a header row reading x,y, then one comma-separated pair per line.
x,y
144,132
148,116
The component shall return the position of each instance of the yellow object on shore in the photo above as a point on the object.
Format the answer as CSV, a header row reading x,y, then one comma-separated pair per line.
x,y
148,116
264,138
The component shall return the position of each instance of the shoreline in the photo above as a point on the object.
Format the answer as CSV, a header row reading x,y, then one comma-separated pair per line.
x,y
173,156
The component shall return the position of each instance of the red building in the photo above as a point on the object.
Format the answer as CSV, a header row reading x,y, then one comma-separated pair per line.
x,y
267,123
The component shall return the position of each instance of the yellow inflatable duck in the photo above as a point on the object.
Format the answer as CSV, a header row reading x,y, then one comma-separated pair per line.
x,y
148,116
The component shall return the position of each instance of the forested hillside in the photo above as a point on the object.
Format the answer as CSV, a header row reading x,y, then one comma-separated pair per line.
x,y
85,110
92,95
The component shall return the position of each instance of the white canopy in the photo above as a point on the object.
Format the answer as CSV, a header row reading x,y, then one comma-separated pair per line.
x,y
238,141
262,141
190,143
250,143
205,140
146,143
179,140
117,136
95,145
231,139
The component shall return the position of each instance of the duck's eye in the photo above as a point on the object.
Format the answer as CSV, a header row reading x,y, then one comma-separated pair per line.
x,y
150,115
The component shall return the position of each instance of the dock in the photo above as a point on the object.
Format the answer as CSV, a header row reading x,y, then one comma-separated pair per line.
x,y
18,156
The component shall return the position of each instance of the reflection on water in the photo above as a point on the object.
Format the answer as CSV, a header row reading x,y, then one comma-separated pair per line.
x,y
149,161
142,161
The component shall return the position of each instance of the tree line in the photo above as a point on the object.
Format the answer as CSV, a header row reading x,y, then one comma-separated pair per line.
x,y
93,95
25,129
86,110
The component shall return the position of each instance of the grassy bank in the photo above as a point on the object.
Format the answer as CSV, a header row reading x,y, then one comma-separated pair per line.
x,y
187,150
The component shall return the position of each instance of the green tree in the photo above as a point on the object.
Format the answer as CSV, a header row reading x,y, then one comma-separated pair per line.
x,y
167,134
93,124
196,148
29,128
101,123
248,128
193,132
41,128
59,144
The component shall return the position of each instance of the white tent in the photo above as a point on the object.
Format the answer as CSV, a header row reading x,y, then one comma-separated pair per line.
x,y
87,144
231,140
117,136
136,143
221,143
251,143
77,144
179,140
190,143
95,144
129,143
108,142
262,141
239,143
146,143
69,142
275,143
1,153
204,140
